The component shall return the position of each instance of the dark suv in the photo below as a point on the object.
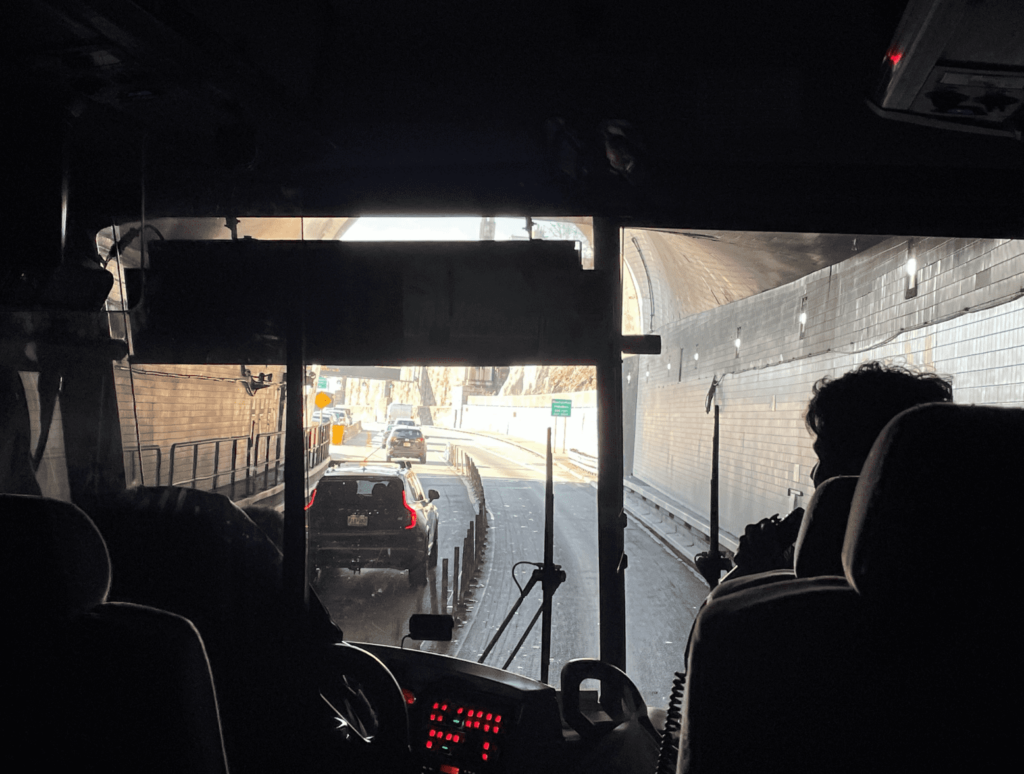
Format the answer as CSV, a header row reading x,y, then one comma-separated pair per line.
x,y
406,442
373,516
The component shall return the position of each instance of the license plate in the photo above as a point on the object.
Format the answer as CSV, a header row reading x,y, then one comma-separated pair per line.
x,y
406,444
357,520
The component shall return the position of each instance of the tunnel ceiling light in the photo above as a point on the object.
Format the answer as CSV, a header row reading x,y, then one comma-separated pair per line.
x,y
910,289
669,367
803,318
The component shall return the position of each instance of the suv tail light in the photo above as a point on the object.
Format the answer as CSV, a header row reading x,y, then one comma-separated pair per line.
x,y
412,512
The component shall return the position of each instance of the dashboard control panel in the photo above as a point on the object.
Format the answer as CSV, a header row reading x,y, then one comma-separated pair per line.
x,y
466,718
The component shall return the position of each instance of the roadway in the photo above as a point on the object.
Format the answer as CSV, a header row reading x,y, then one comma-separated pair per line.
x,y
663,592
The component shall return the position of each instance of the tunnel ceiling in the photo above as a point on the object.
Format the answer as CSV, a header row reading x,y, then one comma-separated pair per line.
x,y
693,271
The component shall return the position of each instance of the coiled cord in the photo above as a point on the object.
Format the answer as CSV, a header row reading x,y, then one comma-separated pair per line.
x,y
673,723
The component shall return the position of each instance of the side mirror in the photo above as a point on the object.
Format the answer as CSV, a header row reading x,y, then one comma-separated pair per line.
x,y
433,495
431,627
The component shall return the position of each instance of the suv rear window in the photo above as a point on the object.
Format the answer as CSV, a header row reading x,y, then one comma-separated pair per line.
x,y
402,432
358,493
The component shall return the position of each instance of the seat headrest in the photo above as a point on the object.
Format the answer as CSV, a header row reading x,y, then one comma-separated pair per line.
x,y
941,483
54,562
177,549
819,545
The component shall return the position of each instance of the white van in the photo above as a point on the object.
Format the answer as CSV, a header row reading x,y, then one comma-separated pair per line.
x,y
399,411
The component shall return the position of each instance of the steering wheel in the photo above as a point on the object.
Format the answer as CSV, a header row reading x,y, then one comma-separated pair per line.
x,y
367,704
620,700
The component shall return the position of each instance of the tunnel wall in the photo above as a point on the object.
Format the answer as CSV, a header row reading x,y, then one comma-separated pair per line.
x,y
967,321
178,403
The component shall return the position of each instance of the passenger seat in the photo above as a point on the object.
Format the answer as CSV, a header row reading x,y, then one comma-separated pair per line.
x,y
92,685
909,662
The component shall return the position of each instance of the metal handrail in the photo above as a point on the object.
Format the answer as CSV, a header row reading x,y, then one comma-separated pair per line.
x,y
137,452
216,443
318,440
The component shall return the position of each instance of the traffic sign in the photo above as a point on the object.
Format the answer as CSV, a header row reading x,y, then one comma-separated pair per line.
x,y
323,400
321,383
561,407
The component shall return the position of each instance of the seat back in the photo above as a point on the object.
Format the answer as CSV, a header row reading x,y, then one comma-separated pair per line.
x,y
901,665
819,545
125,687
198,554
940,491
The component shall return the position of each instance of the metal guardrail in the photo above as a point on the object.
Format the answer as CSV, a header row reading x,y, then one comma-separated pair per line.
x,y
582,460
467,561
135,465
261,468
217,473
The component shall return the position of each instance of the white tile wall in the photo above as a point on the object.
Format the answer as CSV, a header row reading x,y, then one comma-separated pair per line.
x,y
856,311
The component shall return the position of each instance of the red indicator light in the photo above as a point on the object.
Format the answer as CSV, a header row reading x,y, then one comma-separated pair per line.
x,y
436,705
433,717
459,711
446,769
484,756
476,724
487,745
409,696
447,737
489,716
497,719
455,738
487,727
429,744
444,707
895,57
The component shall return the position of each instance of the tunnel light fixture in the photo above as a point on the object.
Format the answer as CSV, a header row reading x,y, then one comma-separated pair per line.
x,y
670,366
910,289
803,316
737,342
696,356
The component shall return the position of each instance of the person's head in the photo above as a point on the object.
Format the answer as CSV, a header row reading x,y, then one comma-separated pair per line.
x,y
848,413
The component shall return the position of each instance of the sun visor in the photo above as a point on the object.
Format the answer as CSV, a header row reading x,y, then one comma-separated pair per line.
x,y
371,303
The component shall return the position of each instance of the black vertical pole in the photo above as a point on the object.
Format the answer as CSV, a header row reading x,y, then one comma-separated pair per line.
x,y
549,564
714,490
296,588
610,519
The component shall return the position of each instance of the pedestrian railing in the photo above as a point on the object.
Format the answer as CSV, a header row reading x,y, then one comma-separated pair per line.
x,y
253,464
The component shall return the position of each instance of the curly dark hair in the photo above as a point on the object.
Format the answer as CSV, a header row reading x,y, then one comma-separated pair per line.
x,y
848,413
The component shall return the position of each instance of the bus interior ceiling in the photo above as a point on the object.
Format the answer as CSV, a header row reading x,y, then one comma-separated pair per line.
x,y
734,154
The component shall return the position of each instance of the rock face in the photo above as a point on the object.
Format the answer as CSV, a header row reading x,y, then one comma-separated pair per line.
x,y
540,380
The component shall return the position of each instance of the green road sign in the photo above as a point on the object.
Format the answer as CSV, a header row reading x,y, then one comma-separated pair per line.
x,y
321,383
561,407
